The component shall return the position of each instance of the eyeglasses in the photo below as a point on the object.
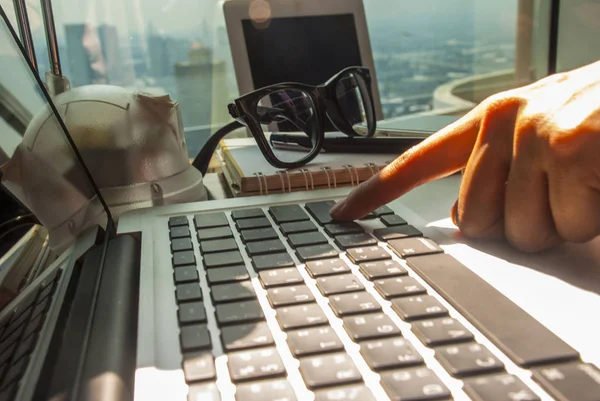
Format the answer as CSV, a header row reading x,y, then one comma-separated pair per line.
x,y
300,110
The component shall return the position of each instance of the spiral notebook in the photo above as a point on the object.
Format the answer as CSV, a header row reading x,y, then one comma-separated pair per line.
x,y
248,173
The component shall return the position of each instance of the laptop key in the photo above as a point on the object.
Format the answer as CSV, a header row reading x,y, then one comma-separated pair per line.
x,y
382,211
414,384
371,326
328,370
227,274
194,337
398,287
255,364
388,353
246,213
366,254
395,232
258,222
346,393
258,234
282,296
178,221
204,391
181,244
304,239
246,336
207,234
279,390
498,388
441,331
15,371
25,347
573,381
353,303
185,274
188,292
320,211
299,316
315,340
351,227
421,307
220,259
179,232
8,393
315,252
297,227
469,359
287,213
339,284
238,291
496,316
279,277
268,246
327,267
382,269
191,312
272,261
183,258
392,220
238,312
218,245
414,246
199,367
210,220
354,240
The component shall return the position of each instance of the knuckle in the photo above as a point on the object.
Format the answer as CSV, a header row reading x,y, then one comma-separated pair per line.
x,y
529,242
577,233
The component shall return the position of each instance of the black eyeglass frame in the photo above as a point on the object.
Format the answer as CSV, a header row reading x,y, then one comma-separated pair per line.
x,y
245,110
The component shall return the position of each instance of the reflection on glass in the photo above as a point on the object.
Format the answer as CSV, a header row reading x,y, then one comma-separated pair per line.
x,y
37,163
425,52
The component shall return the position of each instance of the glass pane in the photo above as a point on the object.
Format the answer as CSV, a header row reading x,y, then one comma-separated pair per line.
x,y
289,119
352,97
444,57
38,166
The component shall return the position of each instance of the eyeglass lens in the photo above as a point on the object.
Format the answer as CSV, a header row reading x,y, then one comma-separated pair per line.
x,y
353,100
291,111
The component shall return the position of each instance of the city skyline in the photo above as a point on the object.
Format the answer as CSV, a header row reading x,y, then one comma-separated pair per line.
x,y
411,59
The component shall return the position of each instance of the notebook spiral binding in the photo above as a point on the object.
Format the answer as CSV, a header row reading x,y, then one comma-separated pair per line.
x,y
309,181
262,180
327,170
373,168
353,172
304,172
281,173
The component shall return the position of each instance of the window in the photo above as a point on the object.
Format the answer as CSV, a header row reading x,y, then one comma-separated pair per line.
x,y
431,56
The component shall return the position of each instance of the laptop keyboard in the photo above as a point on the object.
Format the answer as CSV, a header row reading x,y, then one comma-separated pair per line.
x,y
305,304
19,334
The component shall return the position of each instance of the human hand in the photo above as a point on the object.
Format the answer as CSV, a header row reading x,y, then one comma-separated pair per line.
x,y
531,159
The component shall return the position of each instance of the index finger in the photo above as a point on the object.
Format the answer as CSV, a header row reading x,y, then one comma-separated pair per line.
x,y
441,154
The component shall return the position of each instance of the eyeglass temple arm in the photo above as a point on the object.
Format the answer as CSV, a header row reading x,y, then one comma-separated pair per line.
x,y
203,157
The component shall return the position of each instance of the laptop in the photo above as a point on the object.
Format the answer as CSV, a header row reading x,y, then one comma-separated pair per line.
x,y
266,298
53,332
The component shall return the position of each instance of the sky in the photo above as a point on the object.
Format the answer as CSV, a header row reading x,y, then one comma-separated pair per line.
x,y
182,16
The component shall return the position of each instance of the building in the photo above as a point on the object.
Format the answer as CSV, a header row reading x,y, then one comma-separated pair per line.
x,y
93,54
202,88
164,52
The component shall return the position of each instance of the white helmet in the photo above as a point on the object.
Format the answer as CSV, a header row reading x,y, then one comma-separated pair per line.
x,y
132,143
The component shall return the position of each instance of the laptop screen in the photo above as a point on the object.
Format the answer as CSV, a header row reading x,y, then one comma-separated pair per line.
x,y
315,49
38,165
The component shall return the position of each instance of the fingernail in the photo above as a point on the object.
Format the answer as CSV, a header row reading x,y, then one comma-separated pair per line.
x,y
454,213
